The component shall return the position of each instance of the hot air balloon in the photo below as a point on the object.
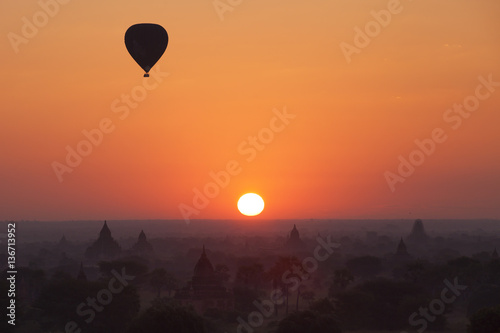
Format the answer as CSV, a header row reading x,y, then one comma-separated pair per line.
x,y
146,43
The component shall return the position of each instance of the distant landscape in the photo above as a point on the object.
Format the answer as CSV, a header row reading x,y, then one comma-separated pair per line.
x,y
350,275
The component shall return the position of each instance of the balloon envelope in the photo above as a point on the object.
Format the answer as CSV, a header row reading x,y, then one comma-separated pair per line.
x,y
146,43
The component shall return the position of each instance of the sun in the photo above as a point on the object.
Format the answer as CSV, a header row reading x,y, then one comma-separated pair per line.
x,y
250,204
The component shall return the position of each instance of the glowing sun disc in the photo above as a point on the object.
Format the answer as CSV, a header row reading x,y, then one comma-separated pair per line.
x,y
250,204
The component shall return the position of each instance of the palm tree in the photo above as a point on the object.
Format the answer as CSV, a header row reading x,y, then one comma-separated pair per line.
x,y
285,268
298,296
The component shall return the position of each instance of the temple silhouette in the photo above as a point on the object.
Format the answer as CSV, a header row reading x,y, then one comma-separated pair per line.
x,y
418,234
105,247
402,251
402,255
63,244
142,246
205,290
81,273
293,242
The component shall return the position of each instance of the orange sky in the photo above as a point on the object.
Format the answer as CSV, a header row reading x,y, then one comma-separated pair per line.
x,y
225,77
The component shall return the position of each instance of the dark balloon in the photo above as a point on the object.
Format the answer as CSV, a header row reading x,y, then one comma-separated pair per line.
x,y
146,43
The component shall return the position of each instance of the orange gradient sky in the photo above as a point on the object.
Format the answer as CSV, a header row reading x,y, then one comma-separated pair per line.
x,y
352,120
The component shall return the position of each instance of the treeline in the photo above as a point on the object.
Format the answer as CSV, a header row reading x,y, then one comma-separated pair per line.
x,y
362,293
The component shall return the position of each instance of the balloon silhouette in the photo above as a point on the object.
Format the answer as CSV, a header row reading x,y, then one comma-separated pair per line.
x,y
146,43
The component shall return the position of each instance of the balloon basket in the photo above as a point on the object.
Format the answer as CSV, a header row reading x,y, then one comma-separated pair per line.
x,y
146,75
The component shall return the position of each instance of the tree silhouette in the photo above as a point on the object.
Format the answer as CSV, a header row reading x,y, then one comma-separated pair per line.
x,y
309,322
492,272
59,300
467,270
248,282
415,270
364,266
383,304
222,272
244,298
485,296
30,282
166,316
251,275
341,279
132,266
286,270
160,279
323,306
486,320
308,295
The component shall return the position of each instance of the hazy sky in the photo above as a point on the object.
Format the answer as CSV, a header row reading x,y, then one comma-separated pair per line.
x,y
351,103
